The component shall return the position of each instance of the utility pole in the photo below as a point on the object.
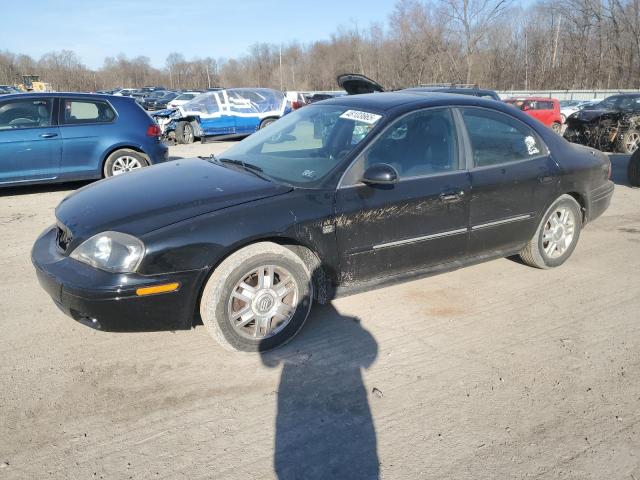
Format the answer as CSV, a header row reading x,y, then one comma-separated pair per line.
x,y
281,85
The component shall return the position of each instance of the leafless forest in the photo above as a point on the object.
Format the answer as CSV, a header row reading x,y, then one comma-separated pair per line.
x,y
497,44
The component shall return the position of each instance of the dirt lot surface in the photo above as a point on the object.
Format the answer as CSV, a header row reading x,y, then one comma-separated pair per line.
x,y
496,371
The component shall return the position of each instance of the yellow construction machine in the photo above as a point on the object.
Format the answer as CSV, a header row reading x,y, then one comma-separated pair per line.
x,y
32,83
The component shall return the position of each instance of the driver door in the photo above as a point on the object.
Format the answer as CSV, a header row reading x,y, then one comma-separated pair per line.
x,y
420,221
30,143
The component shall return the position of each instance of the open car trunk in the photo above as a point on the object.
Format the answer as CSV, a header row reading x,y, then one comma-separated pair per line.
x,y
354,84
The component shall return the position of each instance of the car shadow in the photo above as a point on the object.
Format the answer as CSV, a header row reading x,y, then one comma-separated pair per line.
x,y
42,188
619,164
324,426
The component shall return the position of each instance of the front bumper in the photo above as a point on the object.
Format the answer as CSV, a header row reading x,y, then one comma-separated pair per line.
x,y
108,301
599,200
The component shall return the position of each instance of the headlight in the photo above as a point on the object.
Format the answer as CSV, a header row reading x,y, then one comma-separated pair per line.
x,y
111,251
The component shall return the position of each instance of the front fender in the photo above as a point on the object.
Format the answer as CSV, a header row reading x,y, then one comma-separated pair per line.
x,y
202,242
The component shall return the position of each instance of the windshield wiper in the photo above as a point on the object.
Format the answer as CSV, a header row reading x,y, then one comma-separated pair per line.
x,y
245,165
249,167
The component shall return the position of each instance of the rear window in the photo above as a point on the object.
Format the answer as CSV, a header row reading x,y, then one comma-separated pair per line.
x,y
87,111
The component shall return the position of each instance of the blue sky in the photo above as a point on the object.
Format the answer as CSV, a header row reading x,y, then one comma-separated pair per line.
x,y
196,28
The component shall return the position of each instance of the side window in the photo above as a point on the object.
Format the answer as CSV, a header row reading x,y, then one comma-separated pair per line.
x,y
28,113
421,143
497,138
87,111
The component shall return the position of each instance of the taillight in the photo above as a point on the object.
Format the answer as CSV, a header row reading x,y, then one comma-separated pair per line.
x,y
153,131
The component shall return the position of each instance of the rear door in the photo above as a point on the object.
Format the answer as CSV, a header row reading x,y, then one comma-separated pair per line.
x,y
513,179
420,221
30,143
87,127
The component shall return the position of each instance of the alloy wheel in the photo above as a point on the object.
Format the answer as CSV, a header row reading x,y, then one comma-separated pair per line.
x,y
125,164
632,142
263,302
188,133
558,232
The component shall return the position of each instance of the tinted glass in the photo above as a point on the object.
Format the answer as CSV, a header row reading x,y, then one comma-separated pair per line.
x,y
26,113
86,111
421,143
497,138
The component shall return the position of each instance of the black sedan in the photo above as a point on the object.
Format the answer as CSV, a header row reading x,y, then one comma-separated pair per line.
x,y
343,195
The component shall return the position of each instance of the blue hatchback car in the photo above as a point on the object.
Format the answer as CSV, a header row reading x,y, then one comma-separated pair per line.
x,y
58,137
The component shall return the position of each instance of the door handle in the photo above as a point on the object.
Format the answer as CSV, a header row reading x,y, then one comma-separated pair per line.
x,y
49,135
545,179
451,196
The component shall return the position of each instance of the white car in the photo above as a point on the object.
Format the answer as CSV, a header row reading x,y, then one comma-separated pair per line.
x,y
124,92
182,99
569,107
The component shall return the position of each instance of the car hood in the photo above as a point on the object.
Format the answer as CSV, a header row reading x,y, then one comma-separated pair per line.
x,y
590,115
145,200
354,84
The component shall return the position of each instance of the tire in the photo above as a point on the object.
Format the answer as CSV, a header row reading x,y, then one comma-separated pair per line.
x,y
633,170
219,304
266,122
535,252
563,119
557,127
185,133
629,142
124,160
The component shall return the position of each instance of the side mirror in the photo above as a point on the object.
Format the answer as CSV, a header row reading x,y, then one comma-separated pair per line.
x,y
380,174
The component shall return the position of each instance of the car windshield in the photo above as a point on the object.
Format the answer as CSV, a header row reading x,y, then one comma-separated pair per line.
x,y
186,96
305,146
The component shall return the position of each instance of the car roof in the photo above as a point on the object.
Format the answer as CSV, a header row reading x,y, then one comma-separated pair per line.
x,y
537,99
403,100
58,94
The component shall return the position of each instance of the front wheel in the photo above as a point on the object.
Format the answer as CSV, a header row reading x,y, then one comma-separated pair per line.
x,y
257,299
124,160
557,235
266,122
185,133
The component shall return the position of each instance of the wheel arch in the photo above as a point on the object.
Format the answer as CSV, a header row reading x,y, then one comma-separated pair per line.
x,y
113,149
582,201
322,284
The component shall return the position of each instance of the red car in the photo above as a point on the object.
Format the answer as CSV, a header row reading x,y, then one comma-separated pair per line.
x,y
546,110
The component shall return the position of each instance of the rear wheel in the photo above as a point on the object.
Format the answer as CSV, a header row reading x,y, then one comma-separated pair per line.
x,y
184,133
257,299
557,235
124,160
266,122
556,127
630,142
633,170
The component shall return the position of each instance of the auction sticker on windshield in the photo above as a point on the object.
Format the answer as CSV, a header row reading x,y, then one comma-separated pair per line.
x,y
361,116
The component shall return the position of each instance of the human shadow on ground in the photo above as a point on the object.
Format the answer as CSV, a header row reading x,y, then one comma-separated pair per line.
x,y
324,428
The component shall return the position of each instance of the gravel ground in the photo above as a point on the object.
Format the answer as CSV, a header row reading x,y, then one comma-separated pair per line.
x,y
495,371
